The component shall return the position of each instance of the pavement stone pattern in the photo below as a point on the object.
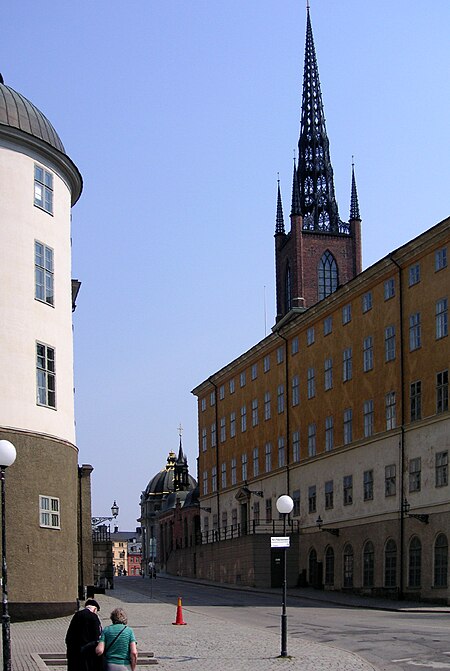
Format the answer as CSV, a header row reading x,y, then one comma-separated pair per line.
x,y
204,644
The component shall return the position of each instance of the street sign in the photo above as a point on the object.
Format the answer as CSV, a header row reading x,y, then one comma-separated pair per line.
x,y
280,541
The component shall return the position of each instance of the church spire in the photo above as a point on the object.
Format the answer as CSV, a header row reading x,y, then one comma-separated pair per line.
x,y
315,173
279,226
295,207
354,205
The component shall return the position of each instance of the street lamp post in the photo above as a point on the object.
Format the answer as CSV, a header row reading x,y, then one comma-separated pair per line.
x,y
284,507
7,458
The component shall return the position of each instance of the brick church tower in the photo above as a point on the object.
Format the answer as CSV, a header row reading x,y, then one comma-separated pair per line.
x,y
320,252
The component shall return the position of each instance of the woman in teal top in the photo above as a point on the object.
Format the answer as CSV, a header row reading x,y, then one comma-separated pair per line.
x,y
118,643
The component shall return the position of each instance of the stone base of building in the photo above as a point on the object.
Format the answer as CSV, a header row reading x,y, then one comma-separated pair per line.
x,y
22,612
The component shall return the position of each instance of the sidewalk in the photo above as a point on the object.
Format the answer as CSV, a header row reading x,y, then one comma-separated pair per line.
x,y
205,644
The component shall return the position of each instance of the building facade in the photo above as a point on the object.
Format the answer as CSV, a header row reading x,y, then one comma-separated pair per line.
x,y
344,406
39,184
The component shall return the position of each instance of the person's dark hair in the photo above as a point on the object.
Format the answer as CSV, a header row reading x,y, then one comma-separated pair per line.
x,y
92,602
119,616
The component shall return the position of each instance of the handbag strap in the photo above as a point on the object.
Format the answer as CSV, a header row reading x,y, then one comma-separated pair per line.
x,y
114,639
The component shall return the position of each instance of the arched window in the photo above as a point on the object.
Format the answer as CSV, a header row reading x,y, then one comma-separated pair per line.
x,y
415,562
441,561
348,566
328,275
312,565
368,564
390,564
329,566
287,290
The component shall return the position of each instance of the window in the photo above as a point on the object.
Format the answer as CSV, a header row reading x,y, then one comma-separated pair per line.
x,y
368,418
205,482
327,325
414,332
214,479
266,363
368,485
415,474
255,412
268,454
243,418
255,461
310,335
281,452
295,390
441,469
442,391
329,495
43,189
268,510
347,365
415,400
232,424
312,499
223,430
280,354
267,405
368,564
280,398
294,345
368,353
329,433
223,469
390,480
441,318
49,512
389,343
390,564
43,273
348,490
232,386
347,314
243,379
221,392
415,563
367,301
348,566
45,375
254,371
212,398
244,467
233,471
296,500
328,374
440,258
256,513
203,404
440,561
328,275
414,274
296,446
311,383
311,440
348,426
204,440
391,422
329,566
389,289
213,435
234,521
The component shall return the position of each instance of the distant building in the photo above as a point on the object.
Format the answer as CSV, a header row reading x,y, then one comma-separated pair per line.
x,y
344,406
46,540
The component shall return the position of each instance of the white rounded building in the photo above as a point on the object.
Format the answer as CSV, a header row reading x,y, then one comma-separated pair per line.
x,y
39,184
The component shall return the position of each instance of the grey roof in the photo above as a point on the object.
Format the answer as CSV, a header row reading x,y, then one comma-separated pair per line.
x,y
18,112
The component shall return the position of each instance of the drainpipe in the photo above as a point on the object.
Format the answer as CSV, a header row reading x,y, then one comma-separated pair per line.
x,y
216,420
288,438
402,433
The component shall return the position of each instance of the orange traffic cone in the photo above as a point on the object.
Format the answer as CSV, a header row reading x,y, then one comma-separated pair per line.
x,y
179,618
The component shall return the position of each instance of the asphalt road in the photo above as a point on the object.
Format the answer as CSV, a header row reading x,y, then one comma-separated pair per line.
x,y
388,640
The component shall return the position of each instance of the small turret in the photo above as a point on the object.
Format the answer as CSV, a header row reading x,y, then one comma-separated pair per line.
x,y
279,226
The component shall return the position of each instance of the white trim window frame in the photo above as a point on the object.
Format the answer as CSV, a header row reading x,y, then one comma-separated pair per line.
x,y
49,512
45,375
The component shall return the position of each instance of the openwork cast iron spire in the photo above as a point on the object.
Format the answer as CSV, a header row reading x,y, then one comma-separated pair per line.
x,y
315,173
354,205
295,209
279,226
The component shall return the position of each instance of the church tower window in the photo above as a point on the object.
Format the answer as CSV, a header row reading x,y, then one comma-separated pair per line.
x,y
328,275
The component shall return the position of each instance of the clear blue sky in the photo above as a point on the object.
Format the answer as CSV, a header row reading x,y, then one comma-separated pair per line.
x,y
179,115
